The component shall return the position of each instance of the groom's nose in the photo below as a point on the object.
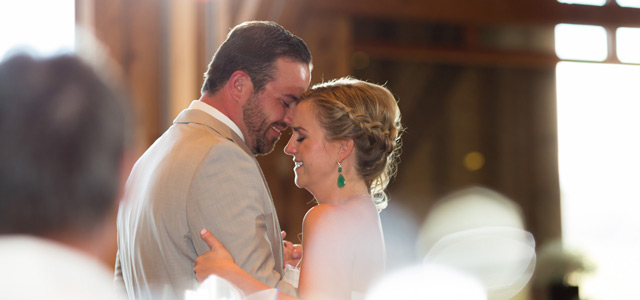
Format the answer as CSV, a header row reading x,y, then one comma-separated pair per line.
x,y
288,114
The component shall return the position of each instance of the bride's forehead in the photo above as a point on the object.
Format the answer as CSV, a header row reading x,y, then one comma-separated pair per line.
x,y
304,105
303,112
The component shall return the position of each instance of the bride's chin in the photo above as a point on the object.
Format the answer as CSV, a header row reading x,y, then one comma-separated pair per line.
x,y
295,181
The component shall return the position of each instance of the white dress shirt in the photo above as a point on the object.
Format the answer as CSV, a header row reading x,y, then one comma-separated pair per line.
x,y
197,104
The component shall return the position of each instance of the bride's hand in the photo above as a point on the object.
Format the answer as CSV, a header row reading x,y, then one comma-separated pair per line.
x,y
217,261
292,252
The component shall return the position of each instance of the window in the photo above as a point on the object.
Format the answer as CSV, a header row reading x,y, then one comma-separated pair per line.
x,y
584,2
628,44
581,42
598,144
49,29
599,161
629,3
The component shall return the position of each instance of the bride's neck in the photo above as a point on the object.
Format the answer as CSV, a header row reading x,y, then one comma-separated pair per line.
x,y
336,195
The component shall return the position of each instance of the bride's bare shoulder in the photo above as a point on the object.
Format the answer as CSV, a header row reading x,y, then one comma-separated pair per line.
x,y
326,217
322,213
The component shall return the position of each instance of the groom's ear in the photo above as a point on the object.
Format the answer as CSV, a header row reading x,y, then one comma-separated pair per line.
x,y
346,147
239,86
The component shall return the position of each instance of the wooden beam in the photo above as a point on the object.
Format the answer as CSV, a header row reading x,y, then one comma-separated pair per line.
x,y
457,56
130,31
484,11
287,13
330,41
222,17
248,11
182,73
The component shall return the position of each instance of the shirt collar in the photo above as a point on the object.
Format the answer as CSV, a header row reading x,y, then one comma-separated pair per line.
x,y
212,111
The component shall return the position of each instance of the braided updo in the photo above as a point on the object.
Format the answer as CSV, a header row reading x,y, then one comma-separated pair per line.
x,y
368,114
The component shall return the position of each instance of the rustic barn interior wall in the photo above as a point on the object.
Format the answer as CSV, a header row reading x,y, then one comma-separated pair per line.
x,y
475,81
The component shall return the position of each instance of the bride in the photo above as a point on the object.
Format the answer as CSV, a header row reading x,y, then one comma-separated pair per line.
x,y
344,145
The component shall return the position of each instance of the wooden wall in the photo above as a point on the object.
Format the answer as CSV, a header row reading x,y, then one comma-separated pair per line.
x,y
471,77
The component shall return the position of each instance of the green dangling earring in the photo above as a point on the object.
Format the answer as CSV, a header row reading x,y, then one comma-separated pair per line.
x,y
341,181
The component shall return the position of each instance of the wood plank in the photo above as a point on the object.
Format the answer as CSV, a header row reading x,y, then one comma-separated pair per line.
x,y
484,11
182,73
249,10
330,47
142,28
457,55
288,13
130,33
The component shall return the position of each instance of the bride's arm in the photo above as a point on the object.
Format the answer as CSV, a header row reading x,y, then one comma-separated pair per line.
x,y
218,261
326,262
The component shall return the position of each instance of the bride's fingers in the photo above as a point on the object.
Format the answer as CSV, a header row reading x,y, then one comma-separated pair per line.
x,y
208,238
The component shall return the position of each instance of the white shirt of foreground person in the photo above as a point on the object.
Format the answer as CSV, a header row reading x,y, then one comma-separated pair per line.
x,y
36,268
218,288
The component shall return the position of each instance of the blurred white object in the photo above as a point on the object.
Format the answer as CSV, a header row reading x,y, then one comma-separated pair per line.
x,y
471,208
480,233
429,282
270,294
37,268
52,34
501,258
217,288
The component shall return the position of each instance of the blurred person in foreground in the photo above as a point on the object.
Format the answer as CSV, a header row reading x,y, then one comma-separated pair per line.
x,y
63,139
203,173
344,146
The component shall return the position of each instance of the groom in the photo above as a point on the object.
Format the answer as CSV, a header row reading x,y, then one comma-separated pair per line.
x,y
202,172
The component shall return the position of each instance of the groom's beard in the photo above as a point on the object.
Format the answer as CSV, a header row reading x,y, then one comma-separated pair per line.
x,y
259,138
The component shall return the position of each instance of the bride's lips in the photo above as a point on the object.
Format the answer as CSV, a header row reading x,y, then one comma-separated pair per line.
x,y
297,164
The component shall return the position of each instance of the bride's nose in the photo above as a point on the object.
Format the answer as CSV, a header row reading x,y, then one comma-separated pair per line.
x,y
290,149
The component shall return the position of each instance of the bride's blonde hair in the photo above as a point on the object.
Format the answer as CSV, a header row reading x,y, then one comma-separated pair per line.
x,y
369,114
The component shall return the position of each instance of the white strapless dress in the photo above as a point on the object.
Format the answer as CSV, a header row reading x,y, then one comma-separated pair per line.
x,y
292,276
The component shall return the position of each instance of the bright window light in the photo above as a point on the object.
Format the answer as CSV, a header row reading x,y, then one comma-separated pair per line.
x,y
629,3
599,167
581,42
41,27
584,2
628,44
